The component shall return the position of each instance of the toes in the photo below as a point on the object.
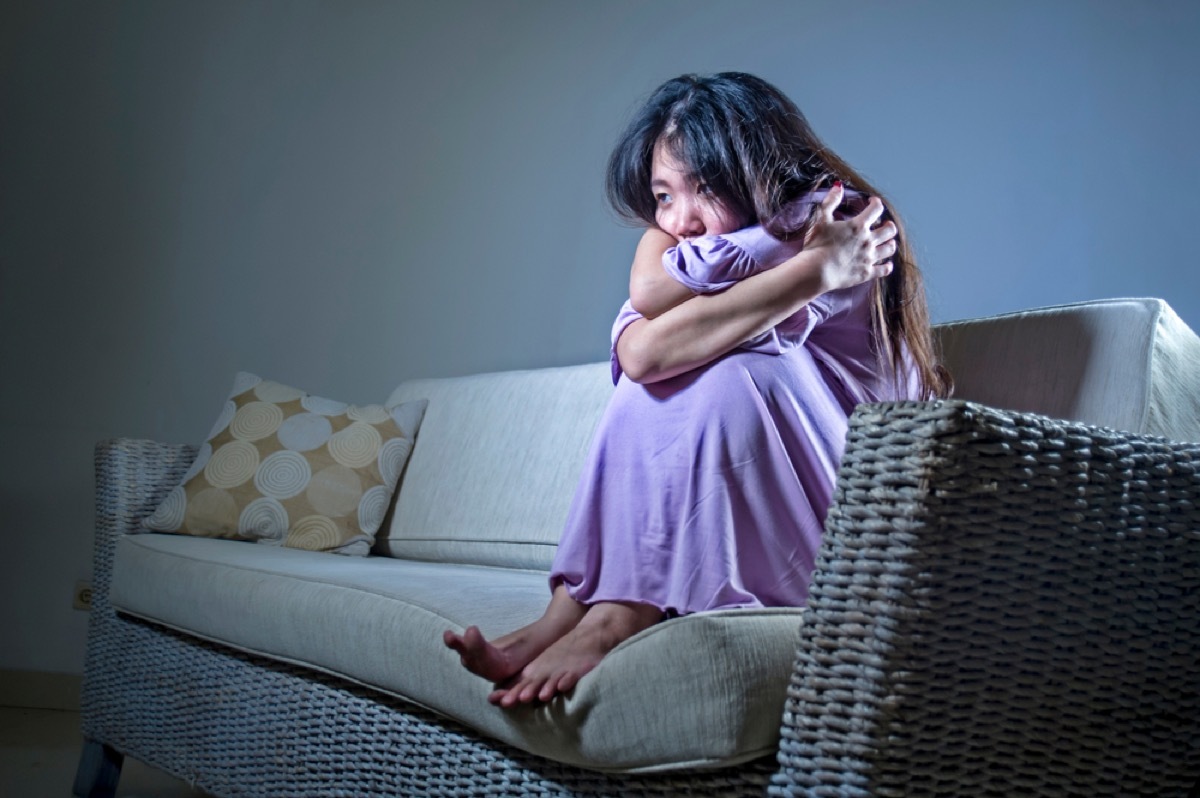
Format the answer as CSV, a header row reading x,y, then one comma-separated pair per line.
x,y
568,681
552,687
473,638
511,698
504,689
469,643
531,692
527,689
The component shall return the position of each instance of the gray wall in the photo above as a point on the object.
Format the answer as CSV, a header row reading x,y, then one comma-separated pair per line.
x,y
345,195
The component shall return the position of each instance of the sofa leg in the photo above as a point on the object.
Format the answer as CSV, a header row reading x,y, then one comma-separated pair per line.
x,y
99,770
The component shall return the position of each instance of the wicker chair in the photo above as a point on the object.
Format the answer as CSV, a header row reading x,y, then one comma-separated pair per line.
x,y
1004,604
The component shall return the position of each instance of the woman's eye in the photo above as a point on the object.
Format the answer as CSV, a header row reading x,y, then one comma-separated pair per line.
x,y
662,199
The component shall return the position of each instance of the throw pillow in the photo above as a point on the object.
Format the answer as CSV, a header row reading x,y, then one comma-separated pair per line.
x,y
285,468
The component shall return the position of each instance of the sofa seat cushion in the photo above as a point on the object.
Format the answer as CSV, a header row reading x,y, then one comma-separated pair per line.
x,y
704,690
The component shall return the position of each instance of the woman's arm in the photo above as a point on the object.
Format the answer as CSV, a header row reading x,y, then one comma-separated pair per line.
x,y
652,291
838,254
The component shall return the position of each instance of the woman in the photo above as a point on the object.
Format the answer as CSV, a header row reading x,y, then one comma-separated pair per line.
x,y
708,481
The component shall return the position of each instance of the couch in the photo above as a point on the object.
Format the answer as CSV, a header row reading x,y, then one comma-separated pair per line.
x,y
1006,602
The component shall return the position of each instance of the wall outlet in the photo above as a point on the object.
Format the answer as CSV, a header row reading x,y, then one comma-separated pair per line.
x,y
82,599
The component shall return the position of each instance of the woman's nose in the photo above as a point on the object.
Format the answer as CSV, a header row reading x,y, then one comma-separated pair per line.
x,y
687,220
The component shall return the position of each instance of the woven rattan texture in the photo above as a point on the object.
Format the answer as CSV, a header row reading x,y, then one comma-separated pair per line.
x,y
238,725
1004,604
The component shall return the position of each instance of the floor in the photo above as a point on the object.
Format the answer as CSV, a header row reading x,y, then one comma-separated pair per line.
x,y
39,749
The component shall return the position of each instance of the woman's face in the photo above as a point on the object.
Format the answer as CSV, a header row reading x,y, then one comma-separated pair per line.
x,y
686,208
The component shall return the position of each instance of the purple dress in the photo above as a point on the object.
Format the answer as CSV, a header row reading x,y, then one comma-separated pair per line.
x,y
709,490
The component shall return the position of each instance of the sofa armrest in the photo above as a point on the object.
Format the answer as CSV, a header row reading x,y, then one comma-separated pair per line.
x,y
1003,604
132,478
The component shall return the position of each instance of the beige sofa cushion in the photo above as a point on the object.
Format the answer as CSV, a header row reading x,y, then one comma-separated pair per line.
x,y
286,468
495,465
1129,364
379,621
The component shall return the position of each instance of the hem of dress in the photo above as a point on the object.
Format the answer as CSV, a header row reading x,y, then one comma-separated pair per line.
x,y
666,608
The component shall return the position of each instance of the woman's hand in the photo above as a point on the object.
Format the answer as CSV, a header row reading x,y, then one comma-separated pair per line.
x,y
852,250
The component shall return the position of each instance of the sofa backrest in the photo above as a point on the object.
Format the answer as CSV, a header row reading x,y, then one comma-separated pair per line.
x,y
1128,364
498,456
495,465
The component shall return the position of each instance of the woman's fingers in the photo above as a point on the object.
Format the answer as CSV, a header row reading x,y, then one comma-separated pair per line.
x,y
871,213
860,247
885,230
880,233
832,200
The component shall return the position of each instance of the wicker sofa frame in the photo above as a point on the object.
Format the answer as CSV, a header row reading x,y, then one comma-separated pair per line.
x,y
1004,604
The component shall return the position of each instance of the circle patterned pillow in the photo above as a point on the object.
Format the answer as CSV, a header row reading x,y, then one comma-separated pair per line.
x,y
286,468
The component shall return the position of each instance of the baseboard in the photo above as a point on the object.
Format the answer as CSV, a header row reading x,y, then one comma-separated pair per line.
x,y
37,690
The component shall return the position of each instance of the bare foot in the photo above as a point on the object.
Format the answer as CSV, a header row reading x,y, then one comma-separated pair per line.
x,y
481,657
506,656
560,666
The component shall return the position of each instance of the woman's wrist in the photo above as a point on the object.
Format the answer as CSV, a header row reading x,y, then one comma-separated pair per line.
x,y
651,290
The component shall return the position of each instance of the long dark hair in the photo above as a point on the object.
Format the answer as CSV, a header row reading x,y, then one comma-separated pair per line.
x,y
756,151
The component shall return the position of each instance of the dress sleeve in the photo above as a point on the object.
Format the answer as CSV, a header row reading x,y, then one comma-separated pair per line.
x,y
625,317
710,264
